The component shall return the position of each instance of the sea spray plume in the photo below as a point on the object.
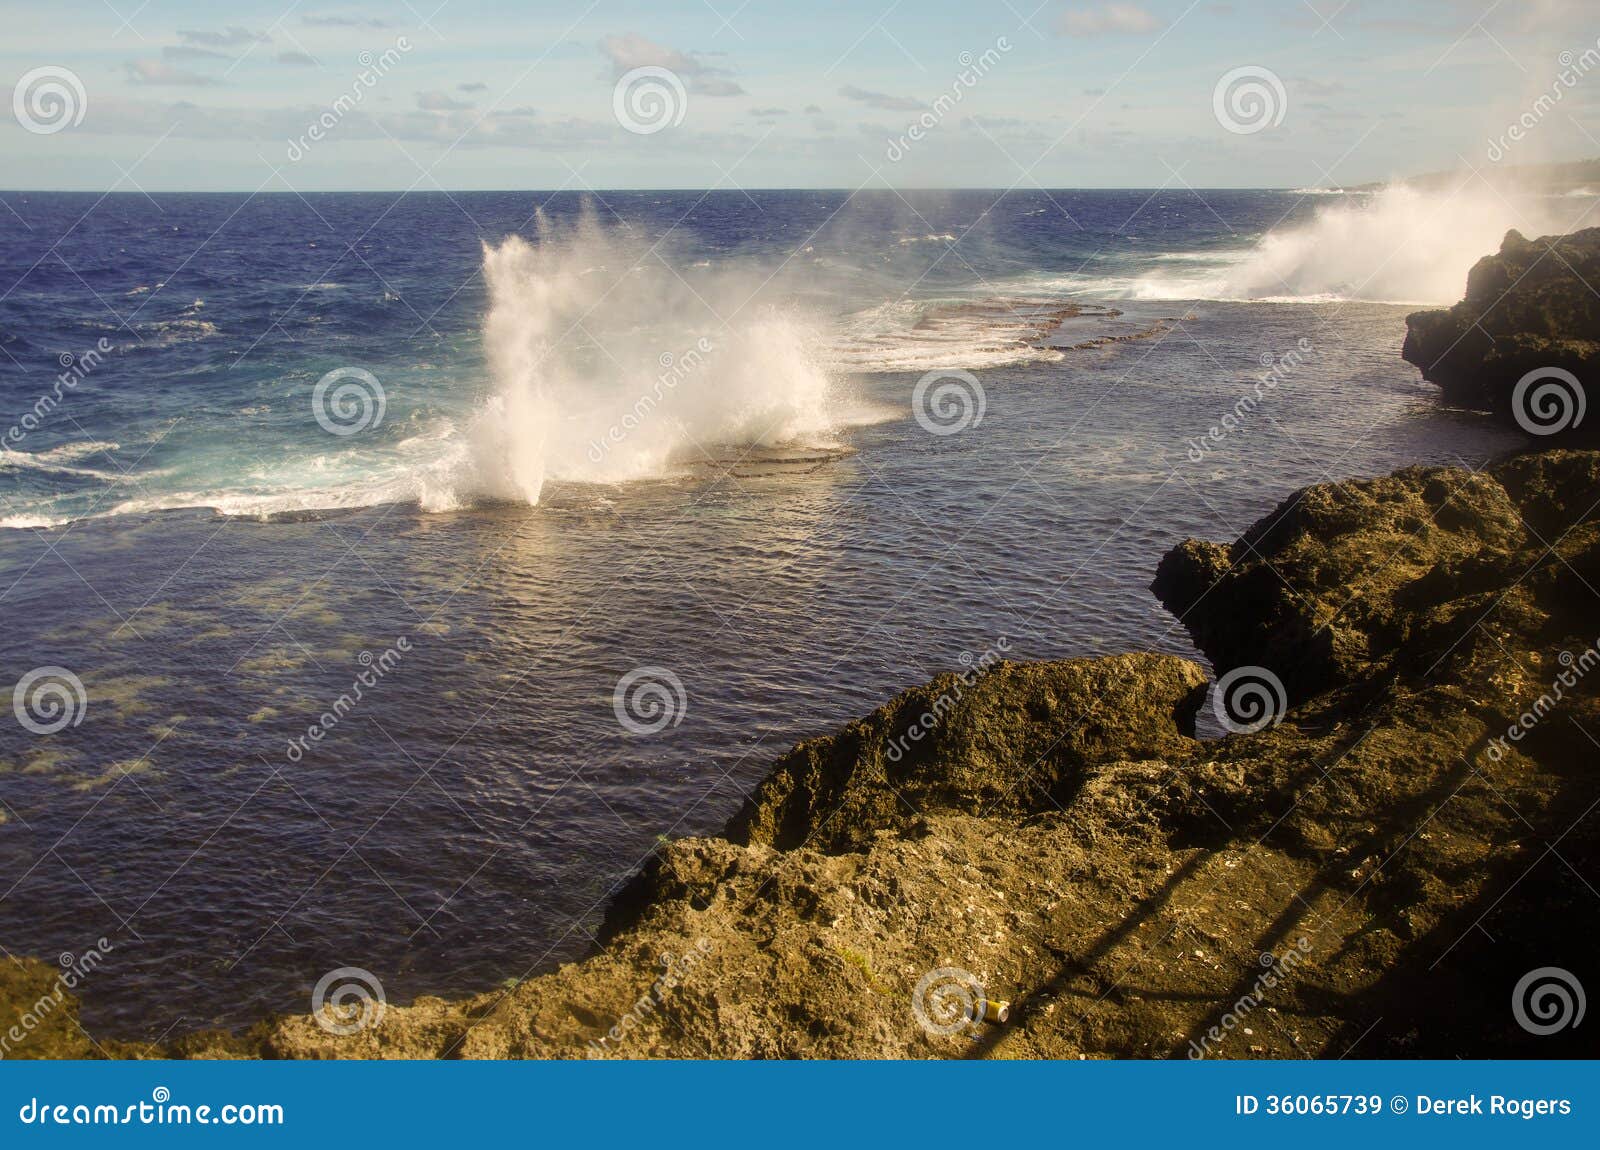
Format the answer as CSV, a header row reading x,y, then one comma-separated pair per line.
x,y
1400,244
580,323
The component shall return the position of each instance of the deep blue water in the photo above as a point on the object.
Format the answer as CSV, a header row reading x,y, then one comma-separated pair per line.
x,y
464,822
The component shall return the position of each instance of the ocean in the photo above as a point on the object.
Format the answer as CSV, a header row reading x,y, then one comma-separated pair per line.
x,y
385,576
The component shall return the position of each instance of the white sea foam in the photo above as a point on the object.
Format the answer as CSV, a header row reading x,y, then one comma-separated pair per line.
x,y
607,366
604,366
1398,245
61,459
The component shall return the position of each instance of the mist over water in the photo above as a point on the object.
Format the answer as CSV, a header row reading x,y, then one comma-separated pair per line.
x,y
602,347
608,364
1398,245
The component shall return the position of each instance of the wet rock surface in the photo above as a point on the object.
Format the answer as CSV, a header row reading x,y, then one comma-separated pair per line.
x,y
1528,308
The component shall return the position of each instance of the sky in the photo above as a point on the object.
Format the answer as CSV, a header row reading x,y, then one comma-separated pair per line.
x,y
485,94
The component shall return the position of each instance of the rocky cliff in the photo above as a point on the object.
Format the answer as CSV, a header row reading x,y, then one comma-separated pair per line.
x,y
1531,312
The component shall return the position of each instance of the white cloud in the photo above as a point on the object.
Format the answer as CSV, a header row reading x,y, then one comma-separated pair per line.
x,y
334,20
232,36
466,128
880,100
159,72
1107,20
440,102
632,51
191,52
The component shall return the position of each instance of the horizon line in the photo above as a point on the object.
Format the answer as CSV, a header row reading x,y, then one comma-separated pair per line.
x,y
1364,186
